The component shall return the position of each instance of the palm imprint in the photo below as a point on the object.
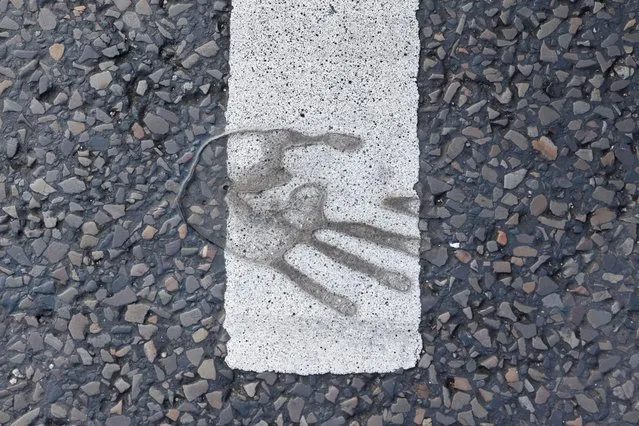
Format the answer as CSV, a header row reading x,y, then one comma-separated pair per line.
x,y
273,229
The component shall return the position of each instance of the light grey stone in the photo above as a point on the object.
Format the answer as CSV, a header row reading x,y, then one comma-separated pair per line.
x,y
207,369
77,326
548,28
598,318
191,317
156,124
136,313
41,187
56,251
47,19
195,389
547,54
513,179
72,185
208,49
28,418
294,408
547,115
7,23
101,80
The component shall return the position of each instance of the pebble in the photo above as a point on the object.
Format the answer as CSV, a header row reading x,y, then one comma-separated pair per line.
x,y
156,124
178,8
602,216
483,337
72,185
118,420
513,179
502,238
136,313
47,19
437,187
527,331
547,115
538,205
194,390
208,49
191,317
462,384
463,256
207,369
27,418
56,251
548,28
91,388
501,267
139,269
586,403
7,23
437,256
546,148
598,318
56,50
77,326
142,7
506,311
547,54
294,408
517,138
546,285
122,298
604,195
97,143
200,335
11,106
626,125
12,145
116,211
150,351
512,375
4,85
131,20
41,187
149,232
101,80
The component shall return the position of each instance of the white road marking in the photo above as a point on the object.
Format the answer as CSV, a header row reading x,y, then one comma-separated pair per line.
x,y
329,69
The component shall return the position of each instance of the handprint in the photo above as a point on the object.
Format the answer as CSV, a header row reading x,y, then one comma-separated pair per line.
x,y
273,229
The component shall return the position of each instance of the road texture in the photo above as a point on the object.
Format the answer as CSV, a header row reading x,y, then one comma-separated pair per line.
x,y
111,310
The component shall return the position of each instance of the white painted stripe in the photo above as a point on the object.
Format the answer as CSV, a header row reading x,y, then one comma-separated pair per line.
x,y
328,69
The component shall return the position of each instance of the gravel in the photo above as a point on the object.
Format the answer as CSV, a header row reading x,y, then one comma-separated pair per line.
x,y
111,312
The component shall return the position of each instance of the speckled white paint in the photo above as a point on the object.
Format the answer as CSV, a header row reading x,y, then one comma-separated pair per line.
x,y
346,66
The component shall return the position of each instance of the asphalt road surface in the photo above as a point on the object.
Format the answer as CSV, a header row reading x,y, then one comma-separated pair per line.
x,y
112,310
